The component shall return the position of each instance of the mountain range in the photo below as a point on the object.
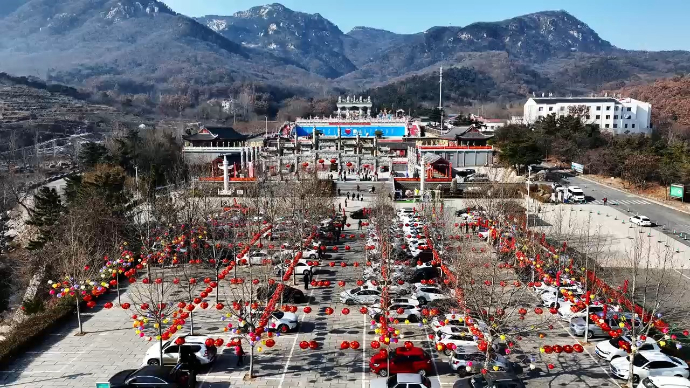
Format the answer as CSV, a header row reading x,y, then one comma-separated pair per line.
x,y
144,47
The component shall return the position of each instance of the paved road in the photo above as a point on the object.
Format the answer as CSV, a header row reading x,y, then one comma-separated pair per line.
x,y
666,218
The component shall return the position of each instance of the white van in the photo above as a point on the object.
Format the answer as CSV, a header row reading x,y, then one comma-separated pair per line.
x,y
575,194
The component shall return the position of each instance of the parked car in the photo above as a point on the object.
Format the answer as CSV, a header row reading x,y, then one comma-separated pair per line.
x,y
456,320
283,321
259,258
425,274
150,376
171,351
577,326
302,267
402,360
646,364
664,382
400,311
290,294
461,358
361,295
491,379
611,349
404,380
428,294
640,220
463,340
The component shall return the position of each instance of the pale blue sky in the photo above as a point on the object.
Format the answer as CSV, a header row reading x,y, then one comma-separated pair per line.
x,y
630,24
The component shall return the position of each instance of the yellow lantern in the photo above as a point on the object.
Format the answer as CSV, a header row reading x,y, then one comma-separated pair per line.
x,y
503,337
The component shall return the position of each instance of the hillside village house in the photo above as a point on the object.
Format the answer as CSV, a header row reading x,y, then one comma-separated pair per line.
x,y
615,115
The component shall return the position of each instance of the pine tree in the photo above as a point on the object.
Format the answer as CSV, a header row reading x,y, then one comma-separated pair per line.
x,y
46,212
92,154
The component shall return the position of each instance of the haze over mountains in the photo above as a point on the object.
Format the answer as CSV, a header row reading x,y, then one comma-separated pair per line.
x,y
145,47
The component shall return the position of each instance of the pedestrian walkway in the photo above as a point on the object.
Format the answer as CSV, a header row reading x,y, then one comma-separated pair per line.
x,y
621,202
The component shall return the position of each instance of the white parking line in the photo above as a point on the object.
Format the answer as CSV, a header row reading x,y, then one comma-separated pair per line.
x,y
433,359
294,342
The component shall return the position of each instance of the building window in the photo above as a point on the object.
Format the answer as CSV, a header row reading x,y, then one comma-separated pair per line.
x,y
598,108
633,125
606,126
550,109
541,109
629,109
587,117
608,108
598,117
562,108
615,108
615,125
626,125
608,117
615,117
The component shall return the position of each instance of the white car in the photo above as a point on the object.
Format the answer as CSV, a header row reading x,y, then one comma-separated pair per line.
x,y
463,340
456,320
609,349
404,380
640,221
259,258
408,311
428,294
411,301
302,267
664,382
196,343
647,364
361,295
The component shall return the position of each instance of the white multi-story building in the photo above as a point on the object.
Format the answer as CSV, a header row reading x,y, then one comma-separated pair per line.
x,y
615,115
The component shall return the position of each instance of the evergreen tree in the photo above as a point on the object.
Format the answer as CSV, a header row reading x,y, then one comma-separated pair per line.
x,y
435,116
46,212
92,154
72,187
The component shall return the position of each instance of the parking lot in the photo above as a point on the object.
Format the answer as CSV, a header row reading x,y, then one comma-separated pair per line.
x,y
110,345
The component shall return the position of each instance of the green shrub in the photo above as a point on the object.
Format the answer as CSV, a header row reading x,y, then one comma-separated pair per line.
x,y
33,306
34,327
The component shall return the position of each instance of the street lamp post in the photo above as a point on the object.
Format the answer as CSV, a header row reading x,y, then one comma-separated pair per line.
x,y
266,125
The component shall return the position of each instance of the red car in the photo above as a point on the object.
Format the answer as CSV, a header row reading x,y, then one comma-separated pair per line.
x,y
402,360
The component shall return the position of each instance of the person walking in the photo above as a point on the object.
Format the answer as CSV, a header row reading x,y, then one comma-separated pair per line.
x,y
306,280
347,195
605,200
239,352
189,363
359,225
358,188
340,207
346,202
338,192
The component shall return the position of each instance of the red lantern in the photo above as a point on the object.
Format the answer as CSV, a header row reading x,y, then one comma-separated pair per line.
x,y
333,161
108,305
304,345
345,311
125,306
209,342
375,344
91,304
409,345
341,283
354,345
270,342
329,311
344,345
538,310
179,341
578,348
313,345
363,310
321,161
307,310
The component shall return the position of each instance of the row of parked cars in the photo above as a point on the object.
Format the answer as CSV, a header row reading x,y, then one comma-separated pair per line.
x,y
651,366
416,286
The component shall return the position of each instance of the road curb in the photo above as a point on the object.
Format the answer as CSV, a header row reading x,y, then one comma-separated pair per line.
x,y
636,195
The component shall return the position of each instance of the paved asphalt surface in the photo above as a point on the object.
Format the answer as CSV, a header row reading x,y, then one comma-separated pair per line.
x,y
666,218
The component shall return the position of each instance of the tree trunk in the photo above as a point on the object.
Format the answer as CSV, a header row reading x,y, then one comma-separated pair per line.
x,y
191,323
81,331
251,362
160,345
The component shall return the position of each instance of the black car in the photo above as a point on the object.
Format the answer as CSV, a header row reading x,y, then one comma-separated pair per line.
x,y
425,273
491,379
151,376
290,294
